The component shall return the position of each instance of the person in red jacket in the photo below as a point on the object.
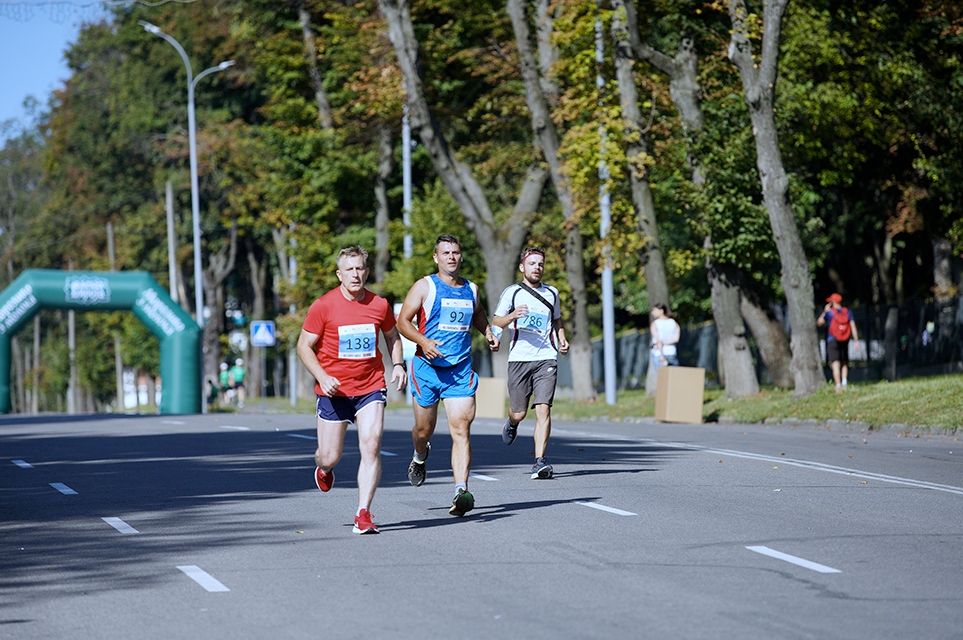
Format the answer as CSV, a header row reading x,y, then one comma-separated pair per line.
x,y
339,346
842,328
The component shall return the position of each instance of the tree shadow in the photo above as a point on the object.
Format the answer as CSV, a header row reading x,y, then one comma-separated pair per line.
x,y
193,491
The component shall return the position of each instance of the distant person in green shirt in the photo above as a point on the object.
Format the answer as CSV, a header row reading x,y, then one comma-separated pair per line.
x,y
225,379
237,381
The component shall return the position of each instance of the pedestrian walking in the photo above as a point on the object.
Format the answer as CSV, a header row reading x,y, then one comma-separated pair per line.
x,y
665,332
842,328
236,376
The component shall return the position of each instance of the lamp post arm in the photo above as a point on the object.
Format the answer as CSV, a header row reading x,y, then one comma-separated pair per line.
x,y
150,28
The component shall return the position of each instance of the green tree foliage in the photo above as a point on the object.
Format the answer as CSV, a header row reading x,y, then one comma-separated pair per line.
x,y
869,110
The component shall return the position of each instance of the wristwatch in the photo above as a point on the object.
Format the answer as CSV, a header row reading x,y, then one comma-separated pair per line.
x,y
403,365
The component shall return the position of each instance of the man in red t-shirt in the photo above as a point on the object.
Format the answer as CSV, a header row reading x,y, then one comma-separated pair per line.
x,y
339,346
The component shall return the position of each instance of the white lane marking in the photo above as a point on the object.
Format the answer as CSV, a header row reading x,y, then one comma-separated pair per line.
x,y
227,426
173,422
805,464
120,525
779,555
298,435
23,464
62,488
388,453
203,578
602,507
481,477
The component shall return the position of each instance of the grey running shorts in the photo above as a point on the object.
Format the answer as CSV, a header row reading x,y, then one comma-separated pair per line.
x,y
535,380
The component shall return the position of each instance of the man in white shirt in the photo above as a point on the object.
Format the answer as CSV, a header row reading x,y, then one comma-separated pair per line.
x,y
532,309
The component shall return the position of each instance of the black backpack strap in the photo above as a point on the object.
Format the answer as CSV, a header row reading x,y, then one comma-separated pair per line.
x,y
537,296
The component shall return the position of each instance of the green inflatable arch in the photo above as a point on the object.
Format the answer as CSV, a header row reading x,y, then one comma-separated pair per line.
x,y
137,291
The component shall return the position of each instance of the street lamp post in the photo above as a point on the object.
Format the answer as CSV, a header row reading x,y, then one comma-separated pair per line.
x,y
195,196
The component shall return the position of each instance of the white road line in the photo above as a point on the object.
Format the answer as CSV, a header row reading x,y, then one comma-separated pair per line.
x,y
227,426
23,464
602,507
120,525
203,578
388,453
481,477
779,555
62,488
173,422
298,435
804,464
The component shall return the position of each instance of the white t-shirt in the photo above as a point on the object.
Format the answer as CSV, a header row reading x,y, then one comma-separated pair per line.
x,y
666,328
533,337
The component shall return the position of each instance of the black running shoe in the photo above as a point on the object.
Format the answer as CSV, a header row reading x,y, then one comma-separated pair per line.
x,y
542,470
509,431
417,471
462,503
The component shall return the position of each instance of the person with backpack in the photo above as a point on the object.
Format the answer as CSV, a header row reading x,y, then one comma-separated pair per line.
x,y
842,328
532,309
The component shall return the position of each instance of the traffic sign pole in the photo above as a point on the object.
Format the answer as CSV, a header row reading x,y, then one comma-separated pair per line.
x,y
262,335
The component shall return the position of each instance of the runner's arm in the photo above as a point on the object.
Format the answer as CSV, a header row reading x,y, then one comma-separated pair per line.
x,y
413,302
306,343
560,332
398,370
480,321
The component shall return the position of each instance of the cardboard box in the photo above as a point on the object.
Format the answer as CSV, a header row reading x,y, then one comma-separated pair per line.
x,y
490,398
678,394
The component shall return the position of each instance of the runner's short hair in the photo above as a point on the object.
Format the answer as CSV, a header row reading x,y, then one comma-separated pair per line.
x,y
527,251
446,237
353,252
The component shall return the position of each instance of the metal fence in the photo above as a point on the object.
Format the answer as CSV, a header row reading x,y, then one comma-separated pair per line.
x,y
929,341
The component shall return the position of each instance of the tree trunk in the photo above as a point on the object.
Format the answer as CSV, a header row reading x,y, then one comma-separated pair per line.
x,y
382,217
325,117
758,81
685,91
253,383
636,154
496,240
884,261
19,371
580,354
771,338
35,399
735,356
944,289
219,266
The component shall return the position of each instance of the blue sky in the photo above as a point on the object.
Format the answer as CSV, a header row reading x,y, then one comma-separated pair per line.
x,y
33,37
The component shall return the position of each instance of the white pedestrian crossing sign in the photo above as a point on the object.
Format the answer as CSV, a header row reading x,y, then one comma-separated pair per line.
x,y
262,333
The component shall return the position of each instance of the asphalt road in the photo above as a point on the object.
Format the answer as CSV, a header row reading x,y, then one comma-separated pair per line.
x,y
211,527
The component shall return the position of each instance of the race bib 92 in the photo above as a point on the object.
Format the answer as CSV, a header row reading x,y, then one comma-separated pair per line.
x,y
455,314
356,341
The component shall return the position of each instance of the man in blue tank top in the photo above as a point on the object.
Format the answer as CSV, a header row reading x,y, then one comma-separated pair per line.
x,y
446,307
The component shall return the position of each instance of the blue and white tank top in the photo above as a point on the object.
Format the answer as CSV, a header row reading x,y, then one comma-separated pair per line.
x,y
446,316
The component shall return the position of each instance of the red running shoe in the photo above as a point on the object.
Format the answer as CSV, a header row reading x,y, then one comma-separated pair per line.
x,y
363,523
324,480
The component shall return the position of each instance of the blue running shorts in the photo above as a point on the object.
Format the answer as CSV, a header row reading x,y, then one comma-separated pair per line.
x,y
430,384
345,409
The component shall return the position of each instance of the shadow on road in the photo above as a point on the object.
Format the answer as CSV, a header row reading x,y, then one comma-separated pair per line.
x,y
173,488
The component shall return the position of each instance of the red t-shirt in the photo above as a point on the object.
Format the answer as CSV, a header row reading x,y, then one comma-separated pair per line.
x,y
348,343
